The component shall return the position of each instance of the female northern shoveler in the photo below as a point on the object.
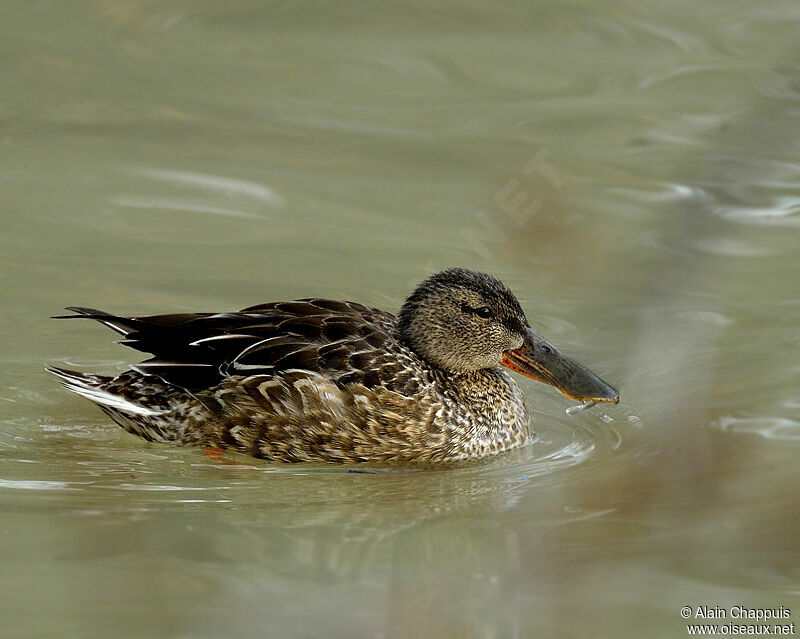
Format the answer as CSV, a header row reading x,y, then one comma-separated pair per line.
x,y
324,380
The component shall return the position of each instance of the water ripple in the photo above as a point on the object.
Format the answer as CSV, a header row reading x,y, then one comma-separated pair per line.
x,y
35,484
165,487
215,183
179,205
779,428
688,70
781,211
663,192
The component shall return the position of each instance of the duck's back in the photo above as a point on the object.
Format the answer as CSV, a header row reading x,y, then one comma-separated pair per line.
x,y
343,341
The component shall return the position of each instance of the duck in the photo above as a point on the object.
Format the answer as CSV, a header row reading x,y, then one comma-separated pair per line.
x,y
320,380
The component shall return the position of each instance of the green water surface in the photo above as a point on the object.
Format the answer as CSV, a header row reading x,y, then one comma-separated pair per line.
x,y
630,169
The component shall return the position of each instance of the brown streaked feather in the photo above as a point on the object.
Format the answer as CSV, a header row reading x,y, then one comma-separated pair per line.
x,y
198,351
299,416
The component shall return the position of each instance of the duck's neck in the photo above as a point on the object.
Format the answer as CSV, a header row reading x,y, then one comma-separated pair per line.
x,y
487,410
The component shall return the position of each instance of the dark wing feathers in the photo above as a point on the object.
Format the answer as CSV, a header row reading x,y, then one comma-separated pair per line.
x,y
338,339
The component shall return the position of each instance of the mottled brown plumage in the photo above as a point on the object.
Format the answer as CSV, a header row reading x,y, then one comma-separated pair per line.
x,y
324,380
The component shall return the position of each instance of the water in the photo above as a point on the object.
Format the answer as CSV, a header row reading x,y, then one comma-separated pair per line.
x,y
629,169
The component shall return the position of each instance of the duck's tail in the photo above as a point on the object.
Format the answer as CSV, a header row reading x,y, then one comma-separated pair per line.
x,y
146,406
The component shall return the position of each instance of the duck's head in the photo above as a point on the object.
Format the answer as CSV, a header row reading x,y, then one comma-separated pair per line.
x,y
461,321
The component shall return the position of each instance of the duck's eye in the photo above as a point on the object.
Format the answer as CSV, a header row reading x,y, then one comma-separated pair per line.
x,y
482,311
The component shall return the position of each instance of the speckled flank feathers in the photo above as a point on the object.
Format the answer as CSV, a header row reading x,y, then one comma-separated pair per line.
x,y
324,380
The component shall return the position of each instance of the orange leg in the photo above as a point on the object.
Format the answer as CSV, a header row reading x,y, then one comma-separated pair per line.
x,y
212,452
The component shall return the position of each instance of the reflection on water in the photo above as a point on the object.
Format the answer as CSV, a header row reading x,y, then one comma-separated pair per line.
x,y
629,170
769,427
